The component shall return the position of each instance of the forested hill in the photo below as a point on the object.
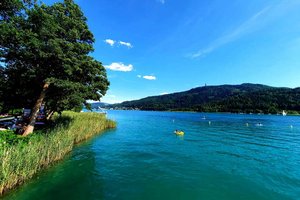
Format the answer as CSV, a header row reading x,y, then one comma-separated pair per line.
x,y
249,98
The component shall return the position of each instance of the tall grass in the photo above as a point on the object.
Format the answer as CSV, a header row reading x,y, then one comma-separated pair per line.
x,y
22,160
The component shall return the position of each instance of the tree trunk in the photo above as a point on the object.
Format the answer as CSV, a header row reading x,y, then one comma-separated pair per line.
x,y
35,111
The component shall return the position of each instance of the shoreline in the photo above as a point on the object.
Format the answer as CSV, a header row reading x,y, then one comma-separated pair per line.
x,y
21,161
186,111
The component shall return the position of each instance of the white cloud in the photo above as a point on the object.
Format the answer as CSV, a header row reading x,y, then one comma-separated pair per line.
x,y
119,67
248,26
92,101
110,42
163,93
149,77
114,101
122,43
110,100
125,44
161,1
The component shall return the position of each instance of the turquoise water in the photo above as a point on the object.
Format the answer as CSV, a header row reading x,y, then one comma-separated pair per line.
x,y
219,157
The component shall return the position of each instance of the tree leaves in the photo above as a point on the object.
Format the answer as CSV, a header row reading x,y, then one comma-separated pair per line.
x,y
41,43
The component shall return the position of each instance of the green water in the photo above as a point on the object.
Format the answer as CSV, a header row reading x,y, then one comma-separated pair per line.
x,y
143,159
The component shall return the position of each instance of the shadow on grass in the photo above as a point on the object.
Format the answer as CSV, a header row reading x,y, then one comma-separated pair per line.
x,y
57,122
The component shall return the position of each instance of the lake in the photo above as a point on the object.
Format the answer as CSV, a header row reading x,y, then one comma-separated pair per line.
x,y
221,156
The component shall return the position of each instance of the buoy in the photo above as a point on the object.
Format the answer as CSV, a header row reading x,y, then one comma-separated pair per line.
x,y
259,124
180,133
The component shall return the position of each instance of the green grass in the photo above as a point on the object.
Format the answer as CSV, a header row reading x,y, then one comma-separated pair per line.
x,y
21,158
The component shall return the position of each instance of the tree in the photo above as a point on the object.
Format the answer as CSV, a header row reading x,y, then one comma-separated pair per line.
x,y
48,53
2,84
9,8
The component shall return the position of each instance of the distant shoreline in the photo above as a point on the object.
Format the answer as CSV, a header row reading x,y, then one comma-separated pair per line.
x,y
243,98
191,111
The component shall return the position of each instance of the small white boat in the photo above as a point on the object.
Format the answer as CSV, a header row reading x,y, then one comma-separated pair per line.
x,y
259,124
284,113
101,110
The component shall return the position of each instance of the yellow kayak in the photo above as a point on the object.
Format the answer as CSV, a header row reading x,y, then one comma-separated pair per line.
x,y
179,132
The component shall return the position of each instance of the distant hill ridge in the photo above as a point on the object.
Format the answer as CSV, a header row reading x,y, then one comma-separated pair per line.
x,y
96,105
247,97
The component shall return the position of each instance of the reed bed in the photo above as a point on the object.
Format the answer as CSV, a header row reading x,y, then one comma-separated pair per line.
x,y
24,157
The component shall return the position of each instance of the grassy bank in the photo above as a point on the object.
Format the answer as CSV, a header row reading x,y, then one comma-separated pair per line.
x,y
21,158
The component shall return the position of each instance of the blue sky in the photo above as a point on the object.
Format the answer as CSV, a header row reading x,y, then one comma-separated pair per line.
x,y
152,47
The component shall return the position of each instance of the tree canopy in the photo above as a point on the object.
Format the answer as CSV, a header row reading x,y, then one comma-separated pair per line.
x,y
48,45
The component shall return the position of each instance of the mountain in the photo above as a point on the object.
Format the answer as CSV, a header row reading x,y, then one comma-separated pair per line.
x,y
96,105
249,98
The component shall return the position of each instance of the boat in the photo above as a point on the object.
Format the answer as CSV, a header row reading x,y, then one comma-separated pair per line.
x,y
3,119
101,110
180,133
284,113
259,124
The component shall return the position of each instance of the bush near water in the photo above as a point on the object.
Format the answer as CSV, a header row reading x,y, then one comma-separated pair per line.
x,y
22,157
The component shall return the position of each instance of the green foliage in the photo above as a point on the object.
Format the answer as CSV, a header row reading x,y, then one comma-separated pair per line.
x,y
2,86
293,112
9,138
248,98
52,44
9,8
78,108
